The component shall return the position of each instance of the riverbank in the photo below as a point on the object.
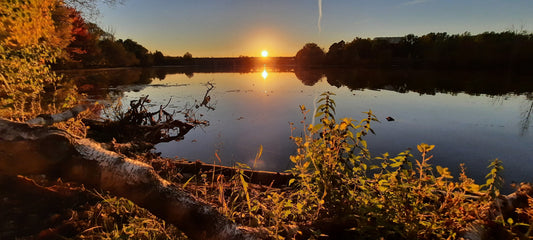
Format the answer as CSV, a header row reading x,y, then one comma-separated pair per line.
x,y
335,190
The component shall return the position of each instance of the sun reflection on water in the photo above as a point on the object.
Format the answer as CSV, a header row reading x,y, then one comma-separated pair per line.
x,y
264,73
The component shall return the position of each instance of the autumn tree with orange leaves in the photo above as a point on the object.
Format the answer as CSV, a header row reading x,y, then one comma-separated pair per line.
x,y
33,35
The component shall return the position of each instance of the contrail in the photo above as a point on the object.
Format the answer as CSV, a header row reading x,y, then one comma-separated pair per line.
x,y
319,15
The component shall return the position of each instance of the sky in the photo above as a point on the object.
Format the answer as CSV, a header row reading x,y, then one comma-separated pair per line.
x,y
232,28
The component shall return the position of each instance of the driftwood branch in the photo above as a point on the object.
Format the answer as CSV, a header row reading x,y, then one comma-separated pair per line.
x,y
139,126
131,133
207,98
26,149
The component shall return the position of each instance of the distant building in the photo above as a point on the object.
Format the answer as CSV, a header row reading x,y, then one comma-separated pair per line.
x,y
393,40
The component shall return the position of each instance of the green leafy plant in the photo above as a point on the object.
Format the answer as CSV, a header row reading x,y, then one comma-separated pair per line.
x,y
336,178
340,190
494,179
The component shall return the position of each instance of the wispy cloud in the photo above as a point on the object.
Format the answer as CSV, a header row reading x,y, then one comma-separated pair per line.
x,y
319,15
413,2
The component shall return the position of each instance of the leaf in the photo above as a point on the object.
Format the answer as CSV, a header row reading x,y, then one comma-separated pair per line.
x,y
363,142
291,181
489,181
332,108
186,183
316,128
245,187
242,165
430,148
419,147
383,182
372,167
349,134
473,187
396,164
444,172
343,126
259,153
306,164
510,221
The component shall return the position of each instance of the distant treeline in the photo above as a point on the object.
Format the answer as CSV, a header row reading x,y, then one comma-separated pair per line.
x,y
240,64
505,50
93,47
89,47
101,50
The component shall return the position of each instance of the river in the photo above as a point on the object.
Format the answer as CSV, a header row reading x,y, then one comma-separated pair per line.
x,y
471,117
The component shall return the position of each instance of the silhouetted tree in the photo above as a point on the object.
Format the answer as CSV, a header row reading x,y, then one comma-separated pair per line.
x,y
336,53
141,53
505,50
187,58
310,55
159,58
362,48
115,55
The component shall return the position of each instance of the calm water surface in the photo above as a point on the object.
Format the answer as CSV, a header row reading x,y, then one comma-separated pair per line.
x,y
470,118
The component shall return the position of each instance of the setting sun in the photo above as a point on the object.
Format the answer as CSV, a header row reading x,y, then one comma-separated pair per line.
x,y
264,53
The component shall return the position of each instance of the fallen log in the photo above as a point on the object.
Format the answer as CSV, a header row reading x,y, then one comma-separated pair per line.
x,y
26,149
49,119
273,179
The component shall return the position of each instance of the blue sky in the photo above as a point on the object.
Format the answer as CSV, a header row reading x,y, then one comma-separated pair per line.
x,y
215,28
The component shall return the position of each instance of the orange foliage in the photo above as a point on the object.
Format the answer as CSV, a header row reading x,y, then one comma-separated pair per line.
x,y
28,23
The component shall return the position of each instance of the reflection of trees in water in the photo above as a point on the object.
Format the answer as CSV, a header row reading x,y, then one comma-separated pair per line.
x,y
160,73
497,85
189,74
98,83
526,115
335,78
308,77
422,81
